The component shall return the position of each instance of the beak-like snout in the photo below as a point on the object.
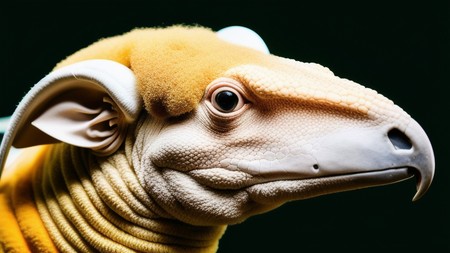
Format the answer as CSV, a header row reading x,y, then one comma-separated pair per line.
x,y
378,156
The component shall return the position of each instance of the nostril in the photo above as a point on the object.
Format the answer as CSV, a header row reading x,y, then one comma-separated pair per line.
x,y
399,139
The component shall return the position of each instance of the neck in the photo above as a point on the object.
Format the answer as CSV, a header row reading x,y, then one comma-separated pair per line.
x,y
93,204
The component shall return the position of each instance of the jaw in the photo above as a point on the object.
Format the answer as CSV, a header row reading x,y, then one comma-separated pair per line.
x,y
286,190
275,191
204,201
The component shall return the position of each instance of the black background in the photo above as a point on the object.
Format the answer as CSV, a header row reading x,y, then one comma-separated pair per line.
x,y
402,50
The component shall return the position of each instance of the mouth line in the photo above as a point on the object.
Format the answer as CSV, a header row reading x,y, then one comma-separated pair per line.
x,y
376,177
347,181
386,173
357,180
296,189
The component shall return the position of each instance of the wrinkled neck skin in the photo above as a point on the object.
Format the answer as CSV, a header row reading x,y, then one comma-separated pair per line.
x,y
91,204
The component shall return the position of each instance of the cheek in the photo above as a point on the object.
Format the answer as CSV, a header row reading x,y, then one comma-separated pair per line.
x,y
164,159
184,148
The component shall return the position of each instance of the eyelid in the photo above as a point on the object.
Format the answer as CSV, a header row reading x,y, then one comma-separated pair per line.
x,y
226,84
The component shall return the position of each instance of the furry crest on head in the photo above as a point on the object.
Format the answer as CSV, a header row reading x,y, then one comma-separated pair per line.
x,y
172,65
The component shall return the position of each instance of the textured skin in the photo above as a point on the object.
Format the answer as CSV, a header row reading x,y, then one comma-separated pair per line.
x,y
193,160
188,168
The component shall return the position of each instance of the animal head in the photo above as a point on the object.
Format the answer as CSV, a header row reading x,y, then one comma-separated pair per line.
x,y
220,129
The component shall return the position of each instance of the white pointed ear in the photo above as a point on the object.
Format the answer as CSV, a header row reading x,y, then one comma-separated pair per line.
x,y
244,37
88,104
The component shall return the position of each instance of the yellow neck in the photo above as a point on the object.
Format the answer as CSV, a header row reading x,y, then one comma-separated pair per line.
x,y
97,204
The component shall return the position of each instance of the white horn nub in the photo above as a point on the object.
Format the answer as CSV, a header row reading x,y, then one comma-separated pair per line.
x,y
243,36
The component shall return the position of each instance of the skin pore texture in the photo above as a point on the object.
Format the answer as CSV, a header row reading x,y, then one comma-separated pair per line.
x,y
225,132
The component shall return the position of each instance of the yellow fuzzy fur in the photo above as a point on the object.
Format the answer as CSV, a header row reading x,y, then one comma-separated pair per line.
x,y
172,65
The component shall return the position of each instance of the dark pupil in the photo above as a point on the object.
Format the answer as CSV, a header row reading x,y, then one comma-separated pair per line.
x,y
226,100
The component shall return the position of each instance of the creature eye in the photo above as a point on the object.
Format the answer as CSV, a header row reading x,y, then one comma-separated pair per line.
x,y
226,99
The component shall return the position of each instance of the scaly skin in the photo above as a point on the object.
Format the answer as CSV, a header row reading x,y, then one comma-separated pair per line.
x,y
224,167
192,163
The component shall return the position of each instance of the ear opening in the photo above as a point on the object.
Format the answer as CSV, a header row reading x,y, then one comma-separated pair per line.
x,y
88,104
